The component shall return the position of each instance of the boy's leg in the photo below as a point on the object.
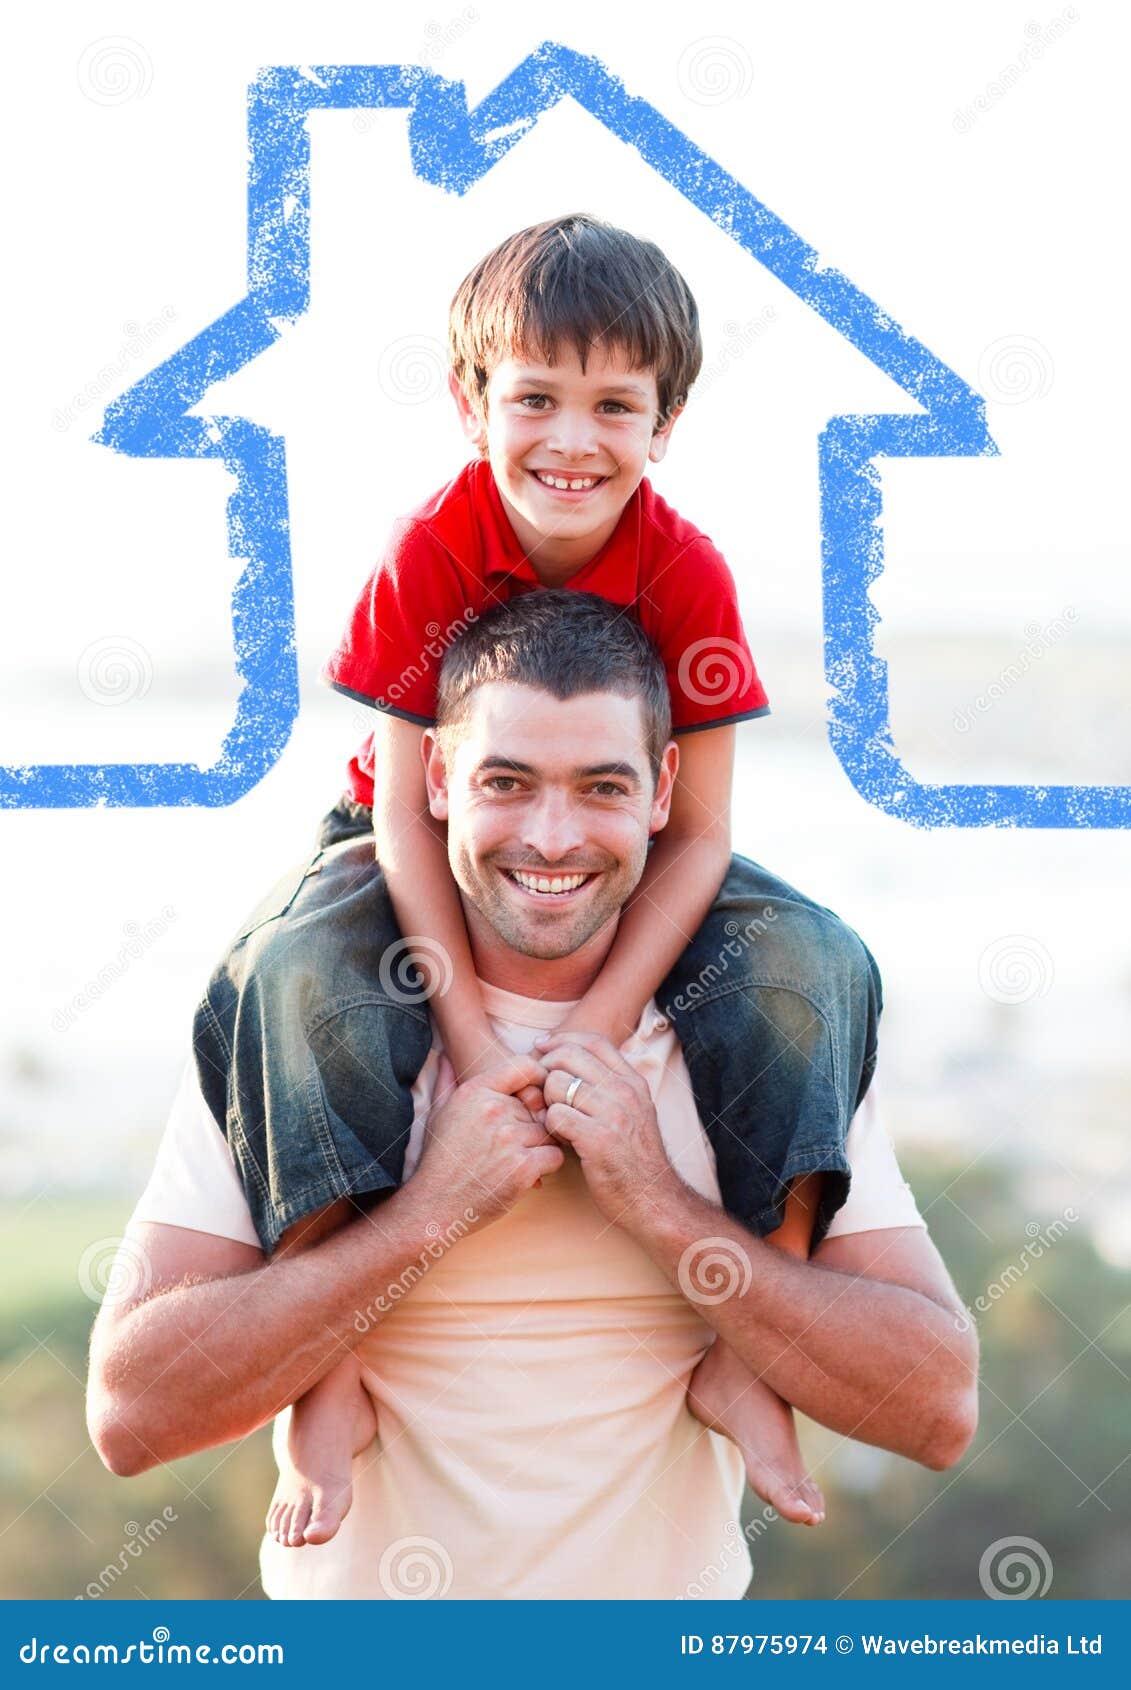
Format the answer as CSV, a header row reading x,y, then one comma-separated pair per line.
x,y
334,1421
776,1004
728,1398
310,1035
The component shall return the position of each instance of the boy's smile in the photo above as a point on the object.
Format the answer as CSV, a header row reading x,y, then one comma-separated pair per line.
x,y
568,448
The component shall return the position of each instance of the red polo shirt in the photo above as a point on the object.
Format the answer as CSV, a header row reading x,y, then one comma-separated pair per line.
x,y
458,555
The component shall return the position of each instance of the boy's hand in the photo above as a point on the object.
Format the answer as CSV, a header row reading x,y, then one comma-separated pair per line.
x,y
532,1097
588,1022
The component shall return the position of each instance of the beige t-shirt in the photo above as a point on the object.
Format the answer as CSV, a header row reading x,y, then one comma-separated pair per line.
x,y
533,1434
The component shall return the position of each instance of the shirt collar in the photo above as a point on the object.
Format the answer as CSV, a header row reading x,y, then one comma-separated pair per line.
x,y
546,1013
613,573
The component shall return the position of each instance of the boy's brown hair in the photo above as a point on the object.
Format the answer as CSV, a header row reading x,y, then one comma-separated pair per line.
x,y
576,281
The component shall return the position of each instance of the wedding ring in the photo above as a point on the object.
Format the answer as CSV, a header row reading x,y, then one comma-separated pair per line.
x,y
571,1090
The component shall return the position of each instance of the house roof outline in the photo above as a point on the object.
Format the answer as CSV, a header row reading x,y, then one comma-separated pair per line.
x,y
452,147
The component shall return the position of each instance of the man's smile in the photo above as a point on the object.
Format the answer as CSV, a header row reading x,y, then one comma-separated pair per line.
x,y
534,885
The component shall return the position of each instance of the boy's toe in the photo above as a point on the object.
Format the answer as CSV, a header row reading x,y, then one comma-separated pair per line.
x,y
326,1516
299,1517
803,1503
813,1498
796,1500
321,1528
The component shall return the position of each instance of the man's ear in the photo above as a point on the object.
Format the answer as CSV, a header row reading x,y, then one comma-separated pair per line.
x,y
435,774
474,424
663,434
665,785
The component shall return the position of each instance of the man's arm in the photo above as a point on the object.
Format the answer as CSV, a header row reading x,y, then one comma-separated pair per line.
x,y
869,1337
223,1340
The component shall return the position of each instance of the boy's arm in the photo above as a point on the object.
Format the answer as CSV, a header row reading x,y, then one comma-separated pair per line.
x,y
412,851
686,866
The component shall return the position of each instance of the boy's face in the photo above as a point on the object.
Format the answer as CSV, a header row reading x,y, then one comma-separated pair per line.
x,y
548,424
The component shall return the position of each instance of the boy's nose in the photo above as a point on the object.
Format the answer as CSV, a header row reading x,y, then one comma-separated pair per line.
x,y
574,435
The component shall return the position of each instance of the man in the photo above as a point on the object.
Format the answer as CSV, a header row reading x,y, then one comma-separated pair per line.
x,y
528,1308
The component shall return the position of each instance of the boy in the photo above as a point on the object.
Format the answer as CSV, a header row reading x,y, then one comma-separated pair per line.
x,y
573,348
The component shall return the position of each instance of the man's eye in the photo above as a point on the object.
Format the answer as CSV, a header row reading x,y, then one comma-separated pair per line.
x,y
502,783
607,789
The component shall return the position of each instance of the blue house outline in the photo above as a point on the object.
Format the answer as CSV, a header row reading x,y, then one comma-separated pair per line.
x,y
452,147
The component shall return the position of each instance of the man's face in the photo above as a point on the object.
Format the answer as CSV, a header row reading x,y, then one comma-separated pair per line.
x,y
549,805
547,424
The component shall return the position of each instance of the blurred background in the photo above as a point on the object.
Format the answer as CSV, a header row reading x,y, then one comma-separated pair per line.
x,y
964,188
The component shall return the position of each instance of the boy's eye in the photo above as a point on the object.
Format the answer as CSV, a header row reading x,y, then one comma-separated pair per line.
x,y
539,401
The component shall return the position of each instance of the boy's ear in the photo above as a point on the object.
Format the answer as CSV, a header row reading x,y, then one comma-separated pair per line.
x,y
663,434
473,424
435,774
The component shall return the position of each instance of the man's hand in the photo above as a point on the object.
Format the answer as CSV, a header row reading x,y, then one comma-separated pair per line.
x,y
610,1122
482,1151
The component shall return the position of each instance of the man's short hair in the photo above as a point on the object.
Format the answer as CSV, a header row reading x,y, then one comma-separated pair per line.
x,y
567,644
576,281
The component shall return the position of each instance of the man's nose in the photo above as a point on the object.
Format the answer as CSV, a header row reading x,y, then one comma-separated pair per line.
x,y
554,828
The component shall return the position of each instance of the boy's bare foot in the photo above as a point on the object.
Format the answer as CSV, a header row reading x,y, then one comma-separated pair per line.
x,y
724,1395
308,1510
334,1421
